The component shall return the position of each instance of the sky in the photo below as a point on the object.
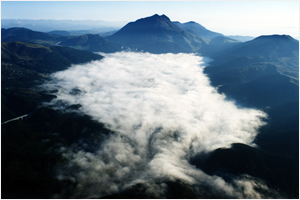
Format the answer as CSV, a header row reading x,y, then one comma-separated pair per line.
x,y
251,18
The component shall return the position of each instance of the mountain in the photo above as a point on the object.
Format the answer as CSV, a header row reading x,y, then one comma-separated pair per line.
x,y
268,46
157,34
242,159
43,59
101,32
282,51
89,42
92,42
198,29
106,34
219,44
263,71
46,25
26,65
60,33
27,35
240,38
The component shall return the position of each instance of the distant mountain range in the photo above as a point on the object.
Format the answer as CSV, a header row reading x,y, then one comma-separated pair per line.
x,y
234,63
89,42
158,34
155,34
47,25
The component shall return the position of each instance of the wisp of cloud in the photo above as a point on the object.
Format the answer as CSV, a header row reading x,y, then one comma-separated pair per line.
x,y
162,111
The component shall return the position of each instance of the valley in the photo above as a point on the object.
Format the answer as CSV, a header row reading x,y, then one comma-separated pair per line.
x,y
140,99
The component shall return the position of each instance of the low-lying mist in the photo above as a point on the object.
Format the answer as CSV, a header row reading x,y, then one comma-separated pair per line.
x,y
162,112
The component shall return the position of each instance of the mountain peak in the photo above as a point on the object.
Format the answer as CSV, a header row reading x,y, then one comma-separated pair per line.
x,y
191,22
155,24
265,38
155,17
157,34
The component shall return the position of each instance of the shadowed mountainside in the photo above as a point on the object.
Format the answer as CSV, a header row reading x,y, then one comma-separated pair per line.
x,y
25,65
262,72
27,35
41,58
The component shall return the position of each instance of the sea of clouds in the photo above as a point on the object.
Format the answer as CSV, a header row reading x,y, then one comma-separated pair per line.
x,y
162,112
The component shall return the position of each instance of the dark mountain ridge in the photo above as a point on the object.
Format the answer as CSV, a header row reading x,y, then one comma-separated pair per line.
x,y
269,46
262,73
59,33
27,35
88,42
197,29
43,59
280,51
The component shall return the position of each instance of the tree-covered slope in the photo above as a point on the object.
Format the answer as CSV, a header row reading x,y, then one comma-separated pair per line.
x,y
27,35
24,65
281,51
88,42
41,58
92,42
261,72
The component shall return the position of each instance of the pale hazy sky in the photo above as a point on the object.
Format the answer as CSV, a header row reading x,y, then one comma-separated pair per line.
x,y
252,18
